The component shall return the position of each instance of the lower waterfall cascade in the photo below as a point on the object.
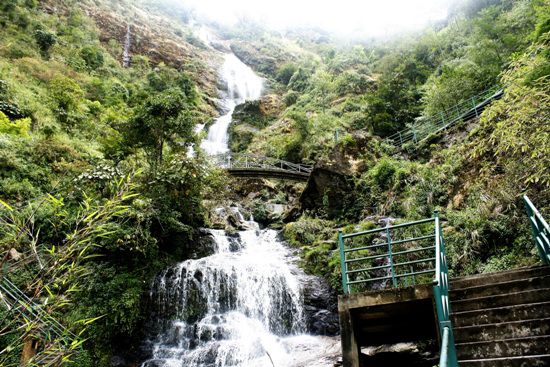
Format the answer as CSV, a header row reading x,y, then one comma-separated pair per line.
x,y
241,306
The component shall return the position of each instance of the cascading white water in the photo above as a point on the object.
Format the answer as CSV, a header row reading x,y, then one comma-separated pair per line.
x,y
127,44
242,84
241,306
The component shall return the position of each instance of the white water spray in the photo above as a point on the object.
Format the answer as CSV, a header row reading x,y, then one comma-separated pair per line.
x,y
242,85
127,45
241,306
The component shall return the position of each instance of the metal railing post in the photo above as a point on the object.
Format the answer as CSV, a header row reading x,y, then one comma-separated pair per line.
x,y
343,266
540,230
390,255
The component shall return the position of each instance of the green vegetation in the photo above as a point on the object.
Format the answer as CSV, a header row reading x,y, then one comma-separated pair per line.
x,y
95,177
475,174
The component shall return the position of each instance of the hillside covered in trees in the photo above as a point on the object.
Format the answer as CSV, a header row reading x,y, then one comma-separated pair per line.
x,y
99,192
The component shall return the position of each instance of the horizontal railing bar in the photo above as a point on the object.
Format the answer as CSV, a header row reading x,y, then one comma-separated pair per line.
x,y
459,112
367,269
393,254
365,247
415,261
403,225
32,307
368,280
411,239
367,258
393,243
415,273
414,250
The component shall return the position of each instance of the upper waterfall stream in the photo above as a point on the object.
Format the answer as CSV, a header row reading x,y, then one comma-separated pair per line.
x,y
241,84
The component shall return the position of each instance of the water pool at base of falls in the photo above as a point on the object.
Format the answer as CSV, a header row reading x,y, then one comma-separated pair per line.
x,y
241,306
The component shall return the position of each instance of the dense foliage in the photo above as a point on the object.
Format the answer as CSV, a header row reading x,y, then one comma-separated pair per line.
x,y
475,173
74,128
98,192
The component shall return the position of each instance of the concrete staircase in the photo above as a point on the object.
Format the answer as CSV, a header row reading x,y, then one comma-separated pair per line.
x,y
502,319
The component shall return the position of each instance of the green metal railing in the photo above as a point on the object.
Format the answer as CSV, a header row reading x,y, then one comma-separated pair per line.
x,y
401,255
541,230
397,255
232,161
15,300
463,111
442,303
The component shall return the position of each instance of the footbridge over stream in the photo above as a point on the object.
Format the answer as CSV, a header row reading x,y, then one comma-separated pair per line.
x,y
397,289
254,166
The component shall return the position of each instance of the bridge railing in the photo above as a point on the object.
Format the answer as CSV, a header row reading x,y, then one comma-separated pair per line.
x,y
233,161
433,124
540,230
401,255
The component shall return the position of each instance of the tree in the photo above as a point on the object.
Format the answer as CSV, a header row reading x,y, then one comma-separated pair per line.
x,y
165,118
285,72
67,95
92,56
45,41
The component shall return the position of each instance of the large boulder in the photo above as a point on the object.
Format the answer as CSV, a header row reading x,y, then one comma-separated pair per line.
x,y
326,190
321,306
249,118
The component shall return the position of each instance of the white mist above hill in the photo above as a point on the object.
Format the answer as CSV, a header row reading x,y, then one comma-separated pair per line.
x,y
372,18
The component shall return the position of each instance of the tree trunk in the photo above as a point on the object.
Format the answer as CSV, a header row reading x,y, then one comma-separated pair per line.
x,y
30,348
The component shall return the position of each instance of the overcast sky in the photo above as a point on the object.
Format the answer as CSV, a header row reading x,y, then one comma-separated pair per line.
x,y
368,17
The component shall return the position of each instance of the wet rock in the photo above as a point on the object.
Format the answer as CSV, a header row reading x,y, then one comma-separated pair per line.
x,y
326,190
325,322
320,303
206,245
292,215
15,255
118,361
401,354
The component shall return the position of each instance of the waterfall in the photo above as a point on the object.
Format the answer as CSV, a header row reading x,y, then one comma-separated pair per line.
x,y
241,84
127,45
241,306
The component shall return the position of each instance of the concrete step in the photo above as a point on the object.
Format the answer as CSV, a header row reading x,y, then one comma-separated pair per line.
x,y
503,276
517,347
503,330
506,299
523,361
497,315
511,286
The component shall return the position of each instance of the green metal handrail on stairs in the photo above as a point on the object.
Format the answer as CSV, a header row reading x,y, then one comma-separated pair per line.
x,y
429,125
448,355
541,230
420,253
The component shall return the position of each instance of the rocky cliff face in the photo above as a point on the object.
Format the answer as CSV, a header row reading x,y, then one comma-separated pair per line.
x,y
156,37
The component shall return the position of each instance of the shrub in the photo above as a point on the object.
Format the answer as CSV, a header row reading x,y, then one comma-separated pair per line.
x,y
285,72
290,98
65,91
18,127
45,40
92,56
383,173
